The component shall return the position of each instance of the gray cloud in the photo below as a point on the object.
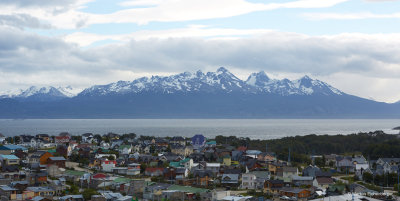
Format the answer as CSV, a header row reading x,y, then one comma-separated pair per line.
x,y
278,52
41,3
22,21
29,56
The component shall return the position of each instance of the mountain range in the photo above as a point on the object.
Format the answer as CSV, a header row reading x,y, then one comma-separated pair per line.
x,y
217,94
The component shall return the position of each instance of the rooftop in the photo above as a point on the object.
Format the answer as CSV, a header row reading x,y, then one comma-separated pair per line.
x,y
9,157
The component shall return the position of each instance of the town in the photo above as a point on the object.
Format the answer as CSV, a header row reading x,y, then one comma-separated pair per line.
x,y
127,167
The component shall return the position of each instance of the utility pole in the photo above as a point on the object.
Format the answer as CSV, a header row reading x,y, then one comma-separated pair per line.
x,y
398,182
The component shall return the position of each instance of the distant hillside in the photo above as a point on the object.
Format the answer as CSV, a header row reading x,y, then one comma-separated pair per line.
x,y
217,94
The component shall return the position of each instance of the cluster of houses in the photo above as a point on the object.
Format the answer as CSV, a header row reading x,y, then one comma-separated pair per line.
x,y
44,167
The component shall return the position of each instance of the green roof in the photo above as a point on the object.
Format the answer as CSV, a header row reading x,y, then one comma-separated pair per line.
x,y
74,173
51,151
124,146
153,164
174,164
188,189
122,180
212,142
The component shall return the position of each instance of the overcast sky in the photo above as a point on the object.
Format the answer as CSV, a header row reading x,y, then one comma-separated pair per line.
x,y
353,45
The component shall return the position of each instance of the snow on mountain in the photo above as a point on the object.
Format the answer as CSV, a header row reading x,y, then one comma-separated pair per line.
x,y
69,91
302,86
214,82
221,81
41,93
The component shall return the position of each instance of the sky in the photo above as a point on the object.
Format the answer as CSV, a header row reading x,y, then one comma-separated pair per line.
x,y
354,45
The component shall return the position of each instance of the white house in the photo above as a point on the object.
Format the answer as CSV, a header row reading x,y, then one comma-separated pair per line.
x,y
133,169
254,180
108,165
248,181
2,138
87,138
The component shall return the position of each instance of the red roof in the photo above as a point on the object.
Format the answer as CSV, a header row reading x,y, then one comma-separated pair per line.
x,y
150,169
62,137
99,176
242,148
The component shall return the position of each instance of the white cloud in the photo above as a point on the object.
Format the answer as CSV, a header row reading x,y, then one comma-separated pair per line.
x,y
67,14
350,16
194,31
29,59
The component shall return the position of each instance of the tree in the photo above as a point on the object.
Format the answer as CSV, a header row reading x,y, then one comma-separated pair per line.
x,y
88,192
368,177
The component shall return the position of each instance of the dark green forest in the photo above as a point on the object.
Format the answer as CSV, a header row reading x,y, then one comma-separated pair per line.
x,y
372,144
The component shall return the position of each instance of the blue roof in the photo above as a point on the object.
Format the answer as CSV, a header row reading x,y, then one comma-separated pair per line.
x,y
9,157
12,147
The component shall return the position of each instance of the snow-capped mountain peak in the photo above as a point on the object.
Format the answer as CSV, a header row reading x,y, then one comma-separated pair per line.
x,y
42,93
220,81
258,79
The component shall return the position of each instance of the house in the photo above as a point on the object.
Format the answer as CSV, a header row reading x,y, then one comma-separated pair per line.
x,y
254,179
266,156
286,173
323,182
41,191
181,173
302,180
2,139
203,177
38,177
274,166
40,157
72,198
161,142
237,198
62,139
154,172
213,167
186,163
44,137
298,193
19,185
311,171
8,160
58,185
181,149
211,143
388,165
198,141
125,149
9,192
273,186
10,149
58,161
87,138
230,179
108,165
226,160
133,169
345,164
178,140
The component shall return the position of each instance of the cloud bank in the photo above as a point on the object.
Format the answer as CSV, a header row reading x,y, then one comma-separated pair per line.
x,y
29,59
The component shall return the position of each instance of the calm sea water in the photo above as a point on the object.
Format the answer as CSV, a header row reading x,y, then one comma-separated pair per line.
x,y
252,128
